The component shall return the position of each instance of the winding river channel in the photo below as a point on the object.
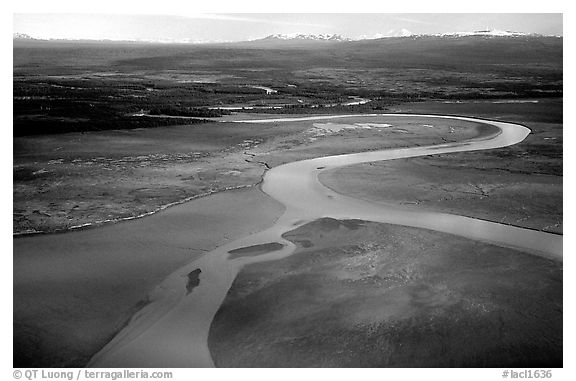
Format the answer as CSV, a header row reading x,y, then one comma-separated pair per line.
x,y
172,330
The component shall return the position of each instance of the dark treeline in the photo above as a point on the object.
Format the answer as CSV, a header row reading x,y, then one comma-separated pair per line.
x,y
46,127
188,112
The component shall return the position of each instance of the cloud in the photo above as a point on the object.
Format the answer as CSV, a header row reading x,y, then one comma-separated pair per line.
x,y
411,20
266,20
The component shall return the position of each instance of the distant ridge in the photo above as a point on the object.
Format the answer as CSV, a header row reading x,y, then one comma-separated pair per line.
x,y
392,34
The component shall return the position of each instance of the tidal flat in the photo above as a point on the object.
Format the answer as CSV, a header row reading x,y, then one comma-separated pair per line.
x,y
364,294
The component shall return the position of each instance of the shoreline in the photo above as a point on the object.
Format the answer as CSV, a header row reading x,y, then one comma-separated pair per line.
x,y
113,221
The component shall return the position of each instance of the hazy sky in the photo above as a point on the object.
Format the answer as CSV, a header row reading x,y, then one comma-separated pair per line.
x,y
244,26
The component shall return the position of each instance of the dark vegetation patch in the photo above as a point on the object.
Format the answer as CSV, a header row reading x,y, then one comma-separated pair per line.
x,y
188,112
193,280
46,126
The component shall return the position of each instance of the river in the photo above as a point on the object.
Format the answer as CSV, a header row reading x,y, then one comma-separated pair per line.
x,y
172,330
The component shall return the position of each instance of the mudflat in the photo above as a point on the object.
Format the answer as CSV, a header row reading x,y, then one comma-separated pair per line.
x,y
364,294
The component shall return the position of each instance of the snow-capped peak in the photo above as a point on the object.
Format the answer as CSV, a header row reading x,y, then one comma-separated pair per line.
x,y
391,33
399,33
23,36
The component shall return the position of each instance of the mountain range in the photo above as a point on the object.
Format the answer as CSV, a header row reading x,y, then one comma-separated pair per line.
x,y
306,37
391,34
309,38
